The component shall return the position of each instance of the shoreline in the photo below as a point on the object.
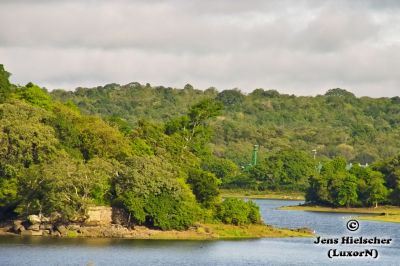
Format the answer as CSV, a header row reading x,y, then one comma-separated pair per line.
x,y
199,232
380,214
251,194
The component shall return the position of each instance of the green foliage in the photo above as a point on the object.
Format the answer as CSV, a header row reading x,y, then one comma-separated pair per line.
x,y
192,128
8,186
230,97
204,186
390,168
25,138
147,190
377,192
287,169
238,212
347,191
63,185
35,95
224,169
337,123
5,86
121,124
339,93
53,158
339,184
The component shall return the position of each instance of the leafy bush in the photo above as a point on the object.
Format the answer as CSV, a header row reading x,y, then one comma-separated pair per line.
x,y
238,212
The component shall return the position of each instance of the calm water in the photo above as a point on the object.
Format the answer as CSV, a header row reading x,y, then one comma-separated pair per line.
x,y
42,251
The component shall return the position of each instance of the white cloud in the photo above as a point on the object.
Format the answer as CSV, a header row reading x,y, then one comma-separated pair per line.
x,y
301,47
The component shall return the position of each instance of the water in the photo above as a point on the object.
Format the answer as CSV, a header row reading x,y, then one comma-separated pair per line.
x,y
280,251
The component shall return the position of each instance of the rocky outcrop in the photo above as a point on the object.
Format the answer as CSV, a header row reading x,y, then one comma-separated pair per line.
x,y
34,225
34,219
99,215
101,221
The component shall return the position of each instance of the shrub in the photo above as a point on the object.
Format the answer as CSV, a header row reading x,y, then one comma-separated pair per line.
x,y
238,212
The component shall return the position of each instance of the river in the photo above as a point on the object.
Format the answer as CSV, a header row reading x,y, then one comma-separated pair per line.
x,y
279,251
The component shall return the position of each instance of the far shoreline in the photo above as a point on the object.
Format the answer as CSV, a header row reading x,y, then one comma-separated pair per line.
x,y
384,213
269,195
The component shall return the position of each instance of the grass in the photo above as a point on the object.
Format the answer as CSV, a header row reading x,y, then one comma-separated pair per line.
x,y
254,194
224,231
390,218
380,214
72,234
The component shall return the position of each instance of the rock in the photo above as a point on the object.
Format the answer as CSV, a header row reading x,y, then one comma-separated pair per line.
x,y
34,227
99,215
46,227
44,219
55,233
18,227
32,233
83,231
120,216
46,232
17,222
62,229
54,217
34,219
7,228
74,227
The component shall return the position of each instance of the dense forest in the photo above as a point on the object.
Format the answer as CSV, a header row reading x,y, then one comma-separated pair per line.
x,y
335,124
57,162
296,134
162,154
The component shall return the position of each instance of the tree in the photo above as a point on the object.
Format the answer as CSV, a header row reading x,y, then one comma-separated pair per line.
x,y
347,194
61,185
285,168
204,186
231,97
5,86
376,191
192,128
35,95
147,189
339,93
238,212
390,168
224,169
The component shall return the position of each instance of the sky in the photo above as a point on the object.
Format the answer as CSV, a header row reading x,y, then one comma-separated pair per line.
x,y
297,47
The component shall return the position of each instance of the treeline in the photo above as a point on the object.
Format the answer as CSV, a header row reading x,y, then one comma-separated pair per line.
x,y
336,123
57,161
340,184
287,128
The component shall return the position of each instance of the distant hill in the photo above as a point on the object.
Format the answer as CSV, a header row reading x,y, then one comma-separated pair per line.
x,y
337,123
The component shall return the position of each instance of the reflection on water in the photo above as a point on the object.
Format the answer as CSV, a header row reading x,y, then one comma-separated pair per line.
x,y
49,251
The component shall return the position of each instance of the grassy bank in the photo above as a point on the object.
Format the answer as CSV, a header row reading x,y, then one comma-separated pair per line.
x,y
379,214
253,194
223,231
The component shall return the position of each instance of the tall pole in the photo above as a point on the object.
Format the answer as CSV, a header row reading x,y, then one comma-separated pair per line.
x,y
315,153
254,157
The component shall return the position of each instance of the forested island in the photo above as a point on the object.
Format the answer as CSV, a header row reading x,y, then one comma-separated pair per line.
x,y
56,163
161,155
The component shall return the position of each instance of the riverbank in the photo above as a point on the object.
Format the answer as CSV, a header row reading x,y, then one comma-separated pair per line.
x,y
379,214
252,194
198,232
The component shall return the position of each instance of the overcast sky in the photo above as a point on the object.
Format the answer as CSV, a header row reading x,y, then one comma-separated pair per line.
x,y
299,47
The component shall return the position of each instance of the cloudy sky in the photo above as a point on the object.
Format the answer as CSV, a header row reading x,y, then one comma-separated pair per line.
x,y
300,47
